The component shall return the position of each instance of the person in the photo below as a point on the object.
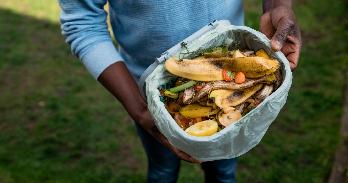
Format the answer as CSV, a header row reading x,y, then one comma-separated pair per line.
x,y
143,30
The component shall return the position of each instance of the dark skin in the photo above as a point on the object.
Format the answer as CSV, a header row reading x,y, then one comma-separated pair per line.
x,y
277,23
117,79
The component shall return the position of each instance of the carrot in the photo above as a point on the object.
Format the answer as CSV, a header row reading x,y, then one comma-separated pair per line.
x,y
227,75
239,78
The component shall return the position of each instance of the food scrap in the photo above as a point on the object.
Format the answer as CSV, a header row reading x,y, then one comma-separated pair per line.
x,y
217,88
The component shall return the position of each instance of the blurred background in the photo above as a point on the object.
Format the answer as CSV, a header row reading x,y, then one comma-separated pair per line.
x,y
57,124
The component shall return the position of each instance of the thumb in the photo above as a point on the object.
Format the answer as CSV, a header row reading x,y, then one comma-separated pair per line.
x,y
284,28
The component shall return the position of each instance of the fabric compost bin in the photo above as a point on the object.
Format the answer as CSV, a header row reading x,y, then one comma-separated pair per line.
x,y
237,138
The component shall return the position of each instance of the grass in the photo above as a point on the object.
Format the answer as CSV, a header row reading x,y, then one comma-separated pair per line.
x,y
59,125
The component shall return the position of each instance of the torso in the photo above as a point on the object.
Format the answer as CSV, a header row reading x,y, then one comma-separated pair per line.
x,y
146,28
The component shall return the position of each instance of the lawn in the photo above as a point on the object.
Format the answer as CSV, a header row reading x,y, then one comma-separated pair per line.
x,y
58,125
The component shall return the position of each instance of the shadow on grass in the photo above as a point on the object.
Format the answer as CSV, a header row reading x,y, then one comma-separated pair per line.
x,y
57,124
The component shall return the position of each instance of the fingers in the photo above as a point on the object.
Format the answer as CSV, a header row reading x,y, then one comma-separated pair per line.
x,y
149,126
279,25
291,50
181,154
287,39
184,156
293,60
295,39
285,27
266,26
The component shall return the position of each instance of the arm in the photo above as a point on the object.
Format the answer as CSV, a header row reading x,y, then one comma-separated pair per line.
x,y
279,24
84,26
117,79
83,23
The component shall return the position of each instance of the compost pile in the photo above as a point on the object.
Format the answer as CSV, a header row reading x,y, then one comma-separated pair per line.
x,y
218,87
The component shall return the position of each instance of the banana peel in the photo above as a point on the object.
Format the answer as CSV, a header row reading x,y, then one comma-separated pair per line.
x,y
219,96
225,99
197,69
271,78
238,97
254,67
210,69
203,128
262,53
196,110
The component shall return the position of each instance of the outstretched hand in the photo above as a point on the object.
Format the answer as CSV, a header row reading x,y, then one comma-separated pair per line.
x,y
279,25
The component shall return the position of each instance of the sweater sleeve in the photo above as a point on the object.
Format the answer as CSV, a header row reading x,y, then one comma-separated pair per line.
x,y
83,24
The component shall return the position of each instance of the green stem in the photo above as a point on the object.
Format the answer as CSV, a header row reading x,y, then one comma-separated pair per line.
x,y
182,87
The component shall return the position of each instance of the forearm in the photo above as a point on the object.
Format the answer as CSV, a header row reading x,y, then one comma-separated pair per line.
x,y
119,82
269,4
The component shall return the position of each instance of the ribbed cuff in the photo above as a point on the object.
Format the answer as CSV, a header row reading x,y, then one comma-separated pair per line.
x,y
99,57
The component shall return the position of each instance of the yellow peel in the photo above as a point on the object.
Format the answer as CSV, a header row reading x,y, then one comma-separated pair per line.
x,y
219,95
234,100
203,128
197,69
210,69
196,110
254,67
262,53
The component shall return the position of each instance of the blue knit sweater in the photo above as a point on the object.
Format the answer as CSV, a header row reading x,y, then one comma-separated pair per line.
x,y
143,28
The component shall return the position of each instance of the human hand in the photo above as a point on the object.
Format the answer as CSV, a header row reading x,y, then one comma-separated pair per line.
x,y
279,25
117,79
145,120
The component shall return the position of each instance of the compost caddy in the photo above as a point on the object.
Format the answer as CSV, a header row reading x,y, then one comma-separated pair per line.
x,y
247,131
